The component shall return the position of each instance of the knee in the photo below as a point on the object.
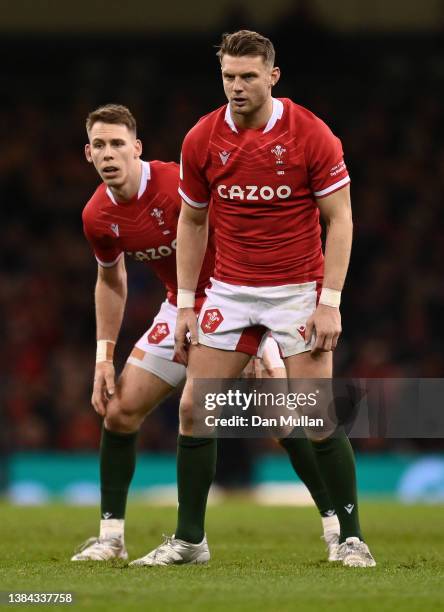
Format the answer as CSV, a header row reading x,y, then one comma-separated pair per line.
x,y
186,415
121,418
192,415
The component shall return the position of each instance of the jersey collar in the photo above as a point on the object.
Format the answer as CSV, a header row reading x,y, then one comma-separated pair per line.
x,y
144,178
276,114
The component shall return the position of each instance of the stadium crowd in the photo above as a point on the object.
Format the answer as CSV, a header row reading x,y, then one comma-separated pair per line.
x,y
378,93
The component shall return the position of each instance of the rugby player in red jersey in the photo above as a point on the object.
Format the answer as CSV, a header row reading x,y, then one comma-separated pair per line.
x,y
269,167
135,212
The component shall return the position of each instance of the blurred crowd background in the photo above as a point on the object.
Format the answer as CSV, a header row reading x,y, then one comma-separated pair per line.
x,y
378,91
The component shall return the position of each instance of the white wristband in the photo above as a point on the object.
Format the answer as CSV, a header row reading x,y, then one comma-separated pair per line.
x,y
105,350
330,297
185,298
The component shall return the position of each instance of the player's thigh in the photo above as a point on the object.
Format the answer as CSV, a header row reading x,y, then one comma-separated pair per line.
x,y
206,363
141,390
138,392
310,376
307,365
150,372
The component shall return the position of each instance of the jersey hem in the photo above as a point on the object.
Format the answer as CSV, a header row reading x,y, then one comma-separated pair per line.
x,y
270,282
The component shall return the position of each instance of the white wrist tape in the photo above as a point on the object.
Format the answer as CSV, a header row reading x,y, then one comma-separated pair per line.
x,y
105,350
330,297
185,298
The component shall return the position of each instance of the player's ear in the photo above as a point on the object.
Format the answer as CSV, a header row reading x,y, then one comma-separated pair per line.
x,y
275,75
88,153
138,148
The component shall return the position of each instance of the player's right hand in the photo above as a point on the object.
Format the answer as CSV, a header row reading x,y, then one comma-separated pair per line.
x,y
325,323
186,327
104,386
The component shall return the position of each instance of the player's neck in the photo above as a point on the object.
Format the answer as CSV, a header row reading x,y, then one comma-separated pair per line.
x,y
126,192
256,120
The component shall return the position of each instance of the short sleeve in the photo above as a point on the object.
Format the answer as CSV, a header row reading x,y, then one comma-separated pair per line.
x,y
193,186
105,249
325,159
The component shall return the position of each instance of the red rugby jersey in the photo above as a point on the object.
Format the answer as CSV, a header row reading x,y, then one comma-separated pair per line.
x,y
263,185
144,228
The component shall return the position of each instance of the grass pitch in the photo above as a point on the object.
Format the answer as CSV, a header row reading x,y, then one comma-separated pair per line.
x,y
263,558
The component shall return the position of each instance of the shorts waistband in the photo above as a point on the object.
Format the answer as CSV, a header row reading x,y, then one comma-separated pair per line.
x,y
274,291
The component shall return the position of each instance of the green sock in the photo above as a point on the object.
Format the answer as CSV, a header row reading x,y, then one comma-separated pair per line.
x,y
304,462
196,466
117,464
336,462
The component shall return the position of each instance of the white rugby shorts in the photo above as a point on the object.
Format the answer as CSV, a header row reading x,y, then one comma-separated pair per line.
x,y
237,317
154,351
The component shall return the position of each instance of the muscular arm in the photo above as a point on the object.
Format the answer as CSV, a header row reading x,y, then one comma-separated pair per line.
x,y
326,320
192,238
110,299
336,212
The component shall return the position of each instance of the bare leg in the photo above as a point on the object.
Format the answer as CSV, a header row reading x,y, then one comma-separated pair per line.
x,y
138,392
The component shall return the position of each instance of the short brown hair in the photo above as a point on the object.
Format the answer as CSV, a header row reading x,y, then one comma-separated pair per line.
x,y
246,42
112,113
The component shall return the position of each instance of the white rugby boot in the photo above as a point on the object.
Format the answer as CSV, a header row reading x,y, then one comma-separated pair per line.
x,y
355,553
101,549
332,541
175,552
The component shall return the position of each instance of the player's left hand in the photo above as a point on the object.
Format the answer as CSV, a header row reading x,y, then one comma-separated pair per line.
x,y
325,323
186,326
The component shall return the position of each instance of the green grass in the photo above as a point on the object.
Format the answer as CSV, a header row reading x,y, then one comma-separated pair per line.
x,y
262,559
